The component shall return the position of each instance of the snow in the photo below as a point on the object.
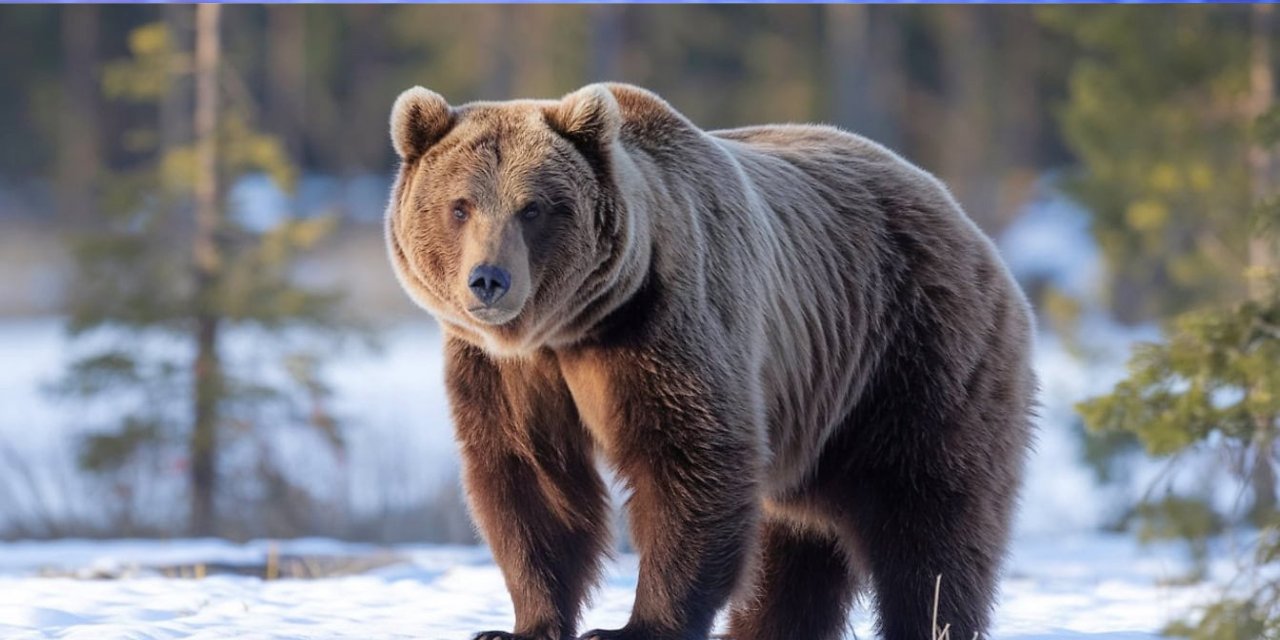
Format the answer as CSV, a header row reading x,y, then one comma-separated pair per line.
x,y
1086,586
399,444
259,204
1051,241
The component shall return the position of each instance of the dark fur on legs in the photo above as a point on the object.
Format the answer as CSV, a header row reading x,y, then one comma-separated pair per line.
x,y
693,507
916,513
533,487
804,588
905,560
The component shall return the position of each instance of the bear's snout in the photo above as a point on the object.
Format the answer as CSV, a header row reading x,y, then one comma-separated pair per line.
x,y
489,283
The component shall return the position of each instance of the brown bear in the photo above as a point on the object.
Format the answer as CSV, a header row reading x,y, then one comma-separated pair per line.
x,y
807,364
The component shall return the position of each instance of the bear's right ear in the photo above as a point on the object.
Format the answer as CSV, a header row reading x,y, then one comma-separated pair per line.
x,y
419,119
589,116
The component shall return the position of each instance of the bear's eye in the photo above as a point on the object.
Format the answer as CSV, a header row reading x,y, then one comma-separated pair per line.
x,y
530,211
459,213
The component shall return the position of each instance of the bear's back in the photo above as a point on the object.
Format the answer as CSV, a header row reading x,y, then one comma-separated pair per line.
x,y
865,242
830,156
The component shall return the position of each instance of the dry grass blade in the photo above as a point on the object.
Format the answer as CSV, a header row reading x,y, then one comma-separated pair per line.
x,y
937,589
273,562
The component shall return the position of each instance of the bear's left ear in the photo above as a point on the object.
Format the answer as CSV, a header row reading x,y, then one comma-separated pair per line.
x,y
419,119
588,116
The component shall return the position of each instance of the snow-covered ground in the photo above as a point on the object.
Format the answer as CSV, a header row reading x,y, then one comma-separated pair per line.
x,y
1060,587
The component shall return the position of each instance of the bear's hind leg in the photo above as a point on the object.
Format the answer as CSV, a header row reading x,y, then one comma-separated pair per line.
x,y
803,588
914,533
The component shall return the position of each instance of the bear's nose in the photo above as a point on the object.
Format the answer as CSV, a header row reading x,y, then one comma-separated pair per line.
x,y
488,283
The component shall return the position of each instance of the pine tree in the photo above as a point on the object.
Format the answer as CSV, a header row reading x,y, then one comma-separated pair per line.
x,y
1213,385
170,280
1155,115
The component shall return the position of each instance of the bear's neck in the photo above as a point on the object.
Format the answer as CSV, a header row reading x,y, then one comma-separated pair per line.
x,y
617,293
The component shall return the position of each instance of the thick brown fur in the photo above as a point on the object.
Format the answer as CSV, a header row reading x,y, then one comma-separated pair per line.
x,y
808,365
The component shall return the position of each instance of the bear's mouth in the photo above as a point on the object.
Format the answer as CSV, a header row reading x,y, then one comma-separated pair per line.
x,y
492,315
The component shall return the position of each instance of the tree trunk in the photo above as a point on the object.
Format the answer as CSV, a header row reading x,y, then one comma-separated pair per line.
x,y
286,75
607,24
534,63
1017,123
365,105
208,265
1262,248
79,151
848,52
497,33
888,74
963,148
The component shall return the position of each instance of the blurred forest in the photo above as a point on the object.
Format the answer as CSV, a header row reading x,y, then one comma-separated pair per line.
x,y
966,93
169,192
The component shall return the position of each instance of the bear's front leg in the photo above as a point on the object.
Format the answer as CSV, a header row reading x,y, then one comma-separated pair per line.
x,y
531,484
687,442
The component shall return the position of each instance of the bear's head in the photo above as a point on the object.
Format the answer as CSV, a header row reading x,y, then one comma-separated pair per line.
x,y
504,221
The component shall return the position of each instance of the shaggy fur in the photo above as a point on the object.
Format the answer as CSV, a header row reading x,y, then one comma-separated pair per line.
x,y
808,365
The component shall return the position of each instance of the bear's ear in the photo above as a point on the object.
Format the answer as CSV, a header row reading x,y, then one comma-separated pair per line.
x,y
588,116
419,119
